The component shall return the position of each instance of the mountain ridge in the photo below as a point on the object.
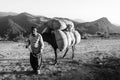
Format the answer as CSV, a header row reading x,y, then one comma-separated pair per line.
x,y
22,23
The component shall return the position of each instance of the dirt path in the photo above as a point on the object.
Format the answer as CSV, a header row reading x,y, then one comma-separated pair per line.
x,y
94,60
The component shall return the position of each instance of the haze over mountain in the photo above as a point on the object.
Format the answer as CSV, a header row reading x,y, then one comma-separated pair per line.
x,y
79,20
3,14
20,24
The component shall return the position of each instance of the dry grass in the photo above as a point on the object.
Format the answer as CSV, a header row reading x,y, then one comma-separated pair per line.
x,y
94,60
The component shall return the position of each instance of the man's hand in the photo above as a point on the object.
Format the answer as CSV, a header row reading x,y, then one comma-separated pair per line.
x,y
26,46
41,50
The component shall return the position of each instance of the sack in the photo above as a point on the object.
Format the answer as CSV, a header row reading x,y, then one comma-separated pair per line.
x,y
70,25
69,38
73,38
56,24
77,37
61,39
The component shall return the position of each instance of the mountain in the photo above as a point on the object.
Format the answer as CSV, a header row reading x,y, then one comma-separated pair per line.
x,y
27,20
100,25
19,24
10,29
12,26
3,14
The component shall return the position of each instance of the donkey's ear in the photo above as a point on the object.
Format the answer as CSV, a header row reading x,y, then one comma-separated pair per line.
x,y
45,30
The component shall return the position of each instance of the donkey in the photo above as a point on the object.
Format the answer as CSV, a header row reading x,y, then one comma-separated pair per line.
x,y
50,39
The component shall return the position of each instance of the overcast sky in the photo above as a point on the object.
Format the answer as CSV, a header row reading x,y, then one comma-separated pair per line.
x,y
87,10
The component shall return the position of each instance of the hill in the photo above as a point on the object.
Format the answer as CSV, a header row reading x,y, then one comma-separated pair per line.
x,y
14,25
20,23
100,25
9,29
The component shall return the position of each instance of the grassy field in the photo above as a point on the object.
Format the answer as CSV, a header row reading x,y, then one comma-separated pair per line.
x,y
97,59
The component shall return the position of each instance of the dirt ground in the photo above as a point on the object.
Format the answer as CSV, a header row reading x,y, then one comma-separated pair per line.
x,y
97,59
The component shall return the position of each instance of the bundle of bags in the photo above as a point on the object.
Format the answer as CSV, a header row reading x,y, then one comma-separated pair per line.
x,y
65,33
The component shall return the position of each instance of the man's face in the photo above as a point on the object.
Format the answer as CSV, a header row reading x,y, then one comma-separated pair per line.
x,y
34,31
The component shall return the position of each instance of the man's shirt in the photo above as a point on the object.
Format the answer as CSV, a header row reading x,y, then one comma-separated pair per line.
x,y
36,43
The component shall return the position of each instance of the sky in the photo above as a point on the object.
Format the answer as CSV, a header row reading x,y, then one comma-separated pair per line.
x,y
87,10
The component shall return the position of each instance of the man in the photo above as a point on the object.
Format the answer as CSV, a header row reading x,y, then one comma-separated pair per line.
x,y
36,45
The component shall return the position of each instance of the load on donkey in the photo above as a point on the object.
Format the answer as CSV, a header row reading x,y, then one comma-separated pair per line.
x,y
60,34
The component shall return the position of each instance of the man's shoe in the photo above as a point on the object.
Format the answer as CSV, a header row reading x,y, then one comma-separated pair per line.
x,y
38,72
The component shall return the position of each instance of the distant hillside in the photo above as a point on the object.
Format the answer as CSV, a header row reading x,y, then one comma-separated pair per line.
x,y
10,29
15,25
20,24
100,25
3,14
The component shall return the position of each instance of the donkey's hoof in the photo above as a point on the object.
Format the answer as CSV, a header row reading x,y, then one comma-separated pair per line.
x,y
52,63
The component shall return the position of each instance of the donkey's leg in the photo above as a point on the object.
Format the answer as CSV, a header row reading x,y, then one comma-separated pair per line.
x,y
55,59
65,52
73,51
